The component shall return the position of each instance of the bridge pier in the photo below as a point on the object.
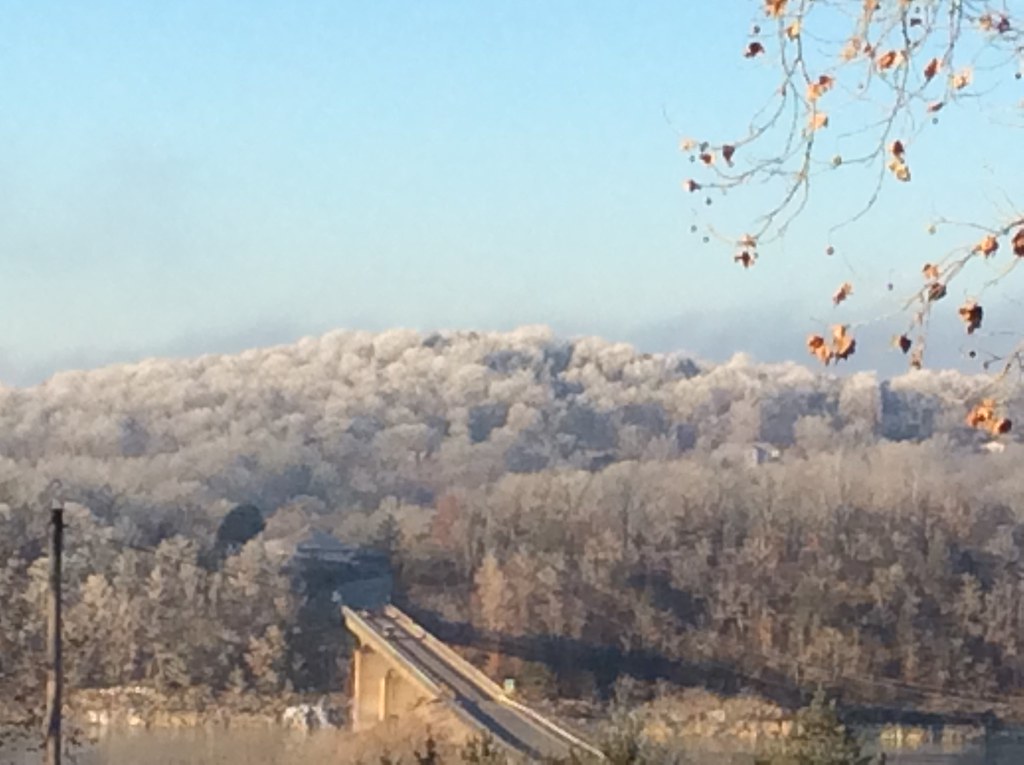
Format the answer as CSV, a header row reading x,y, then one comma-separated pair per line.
x,y
378,691
399,666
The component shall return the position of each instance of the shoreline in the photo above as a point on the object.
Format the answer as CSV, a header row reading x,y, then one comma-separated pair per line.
x,y
140,707
737,724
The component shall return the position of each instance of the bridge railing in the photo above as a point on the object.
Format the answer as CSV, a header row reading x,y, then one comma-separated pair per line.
x,y
485,683
439,691
465,667
380,643
552,726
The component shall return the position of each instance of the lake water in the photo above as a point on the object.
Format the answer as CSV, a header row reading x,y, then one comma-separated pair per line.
x,y
209,747
998,750
276,747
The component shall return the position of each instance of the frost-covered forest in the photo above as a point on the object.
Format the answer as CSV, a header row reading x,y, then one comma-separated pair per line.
x,y
353,418
589,510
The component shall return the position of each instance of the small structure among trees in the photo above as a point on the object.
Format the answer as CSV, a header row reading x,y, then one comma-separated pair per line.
x,y
359,577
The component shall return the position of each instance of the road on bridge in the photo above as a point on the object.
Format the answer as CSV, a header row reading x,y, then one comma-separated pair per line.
x,y
507,724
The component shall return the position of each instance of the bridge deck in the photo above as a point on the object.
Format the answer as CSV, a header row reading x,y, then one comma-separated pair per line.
x,y
509,724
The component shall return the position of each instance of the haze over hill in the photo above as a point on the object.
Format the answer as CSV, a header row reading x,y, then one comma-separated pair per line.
x,y
769,333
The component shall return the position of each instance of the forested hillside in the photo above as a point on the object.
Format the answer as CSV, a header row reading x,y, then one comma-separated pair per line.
x,y
589,510
352,418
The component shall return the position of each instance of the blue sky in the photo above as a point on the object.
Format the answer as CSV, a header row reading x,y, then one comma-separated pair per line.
x,y
203,176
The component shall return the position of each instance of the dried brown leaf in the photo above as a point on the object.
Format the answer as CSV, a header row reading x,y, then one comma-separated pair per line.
x,y
818,120
971,314
843,344
1017,243
753,49
962,79
936,291
889,60
842,293
746,258
817,347
816,90
900,169
987,246
983,416
989,22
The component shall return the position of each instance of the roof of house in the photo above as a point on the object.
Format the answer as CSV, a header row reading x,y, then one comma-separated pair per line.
x,y
320,541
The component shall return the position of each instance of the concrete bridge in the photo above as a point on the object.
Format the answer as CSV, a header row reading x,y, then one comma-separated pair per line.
x,y
398,665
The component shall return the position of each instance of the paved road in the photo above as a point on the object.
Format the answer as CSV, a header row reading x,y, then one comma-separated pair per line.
x,y
508,725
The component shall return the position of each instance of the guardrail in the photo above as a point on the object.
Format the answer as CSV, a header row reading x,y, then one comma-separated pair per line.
x,y
438,691
552,726
443,649
428,683
486,684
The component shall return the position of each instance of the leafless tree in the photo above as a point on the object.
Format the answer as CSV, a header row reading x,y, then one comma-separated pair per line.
x,y
853,87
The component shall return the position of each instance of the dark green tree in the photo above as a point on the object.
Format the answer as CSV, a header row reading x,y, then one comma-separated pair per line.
x,y
238,527
819,738
429,755
484,751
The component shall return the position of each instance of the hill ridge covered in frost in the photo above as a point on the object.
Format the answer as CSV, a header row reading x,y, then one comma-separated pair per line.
x,y
351,416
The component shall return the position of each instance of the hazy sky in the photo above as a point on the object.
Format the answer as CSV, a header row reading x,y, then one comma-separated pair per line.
x,y
191,176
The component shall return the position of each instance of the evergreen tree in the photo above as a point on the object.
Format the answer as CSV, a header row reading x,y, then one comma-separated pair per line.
x,y
819,738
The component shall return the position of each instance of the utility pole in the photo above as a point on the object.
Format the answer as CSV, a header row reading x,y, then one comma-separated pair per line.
x,y
55,678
